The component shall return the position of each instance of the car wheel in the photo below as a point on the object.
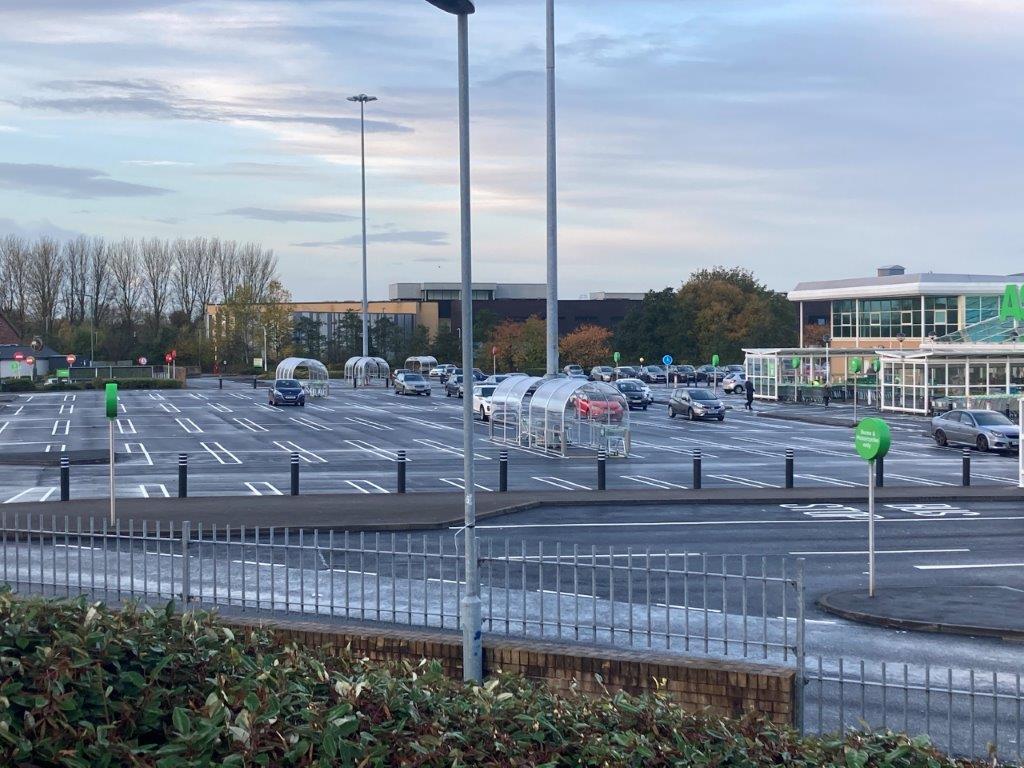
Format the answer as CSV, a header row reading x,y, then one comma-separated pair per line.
x,y
982,444
671,412
940,438
447,393
483,416
721,417
302,404
645,407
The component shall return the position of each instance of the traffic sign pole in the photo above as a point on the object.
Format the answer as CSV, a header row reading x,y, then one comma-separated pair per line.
x,y
872,440
871,528
111,408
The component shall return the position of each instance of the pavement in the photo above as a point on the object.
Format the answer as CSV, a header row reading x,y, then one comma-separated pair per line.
x,y
972,609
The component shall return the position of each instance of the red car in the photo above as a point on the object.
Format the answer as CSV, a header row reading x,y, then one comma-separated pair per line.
x,y
609,411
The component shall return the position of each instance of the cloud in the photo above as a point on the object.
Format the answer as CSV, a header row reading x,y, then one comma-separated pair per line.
x,y
156,163
283,215
417,237
267,170
34,229
9,129
64,181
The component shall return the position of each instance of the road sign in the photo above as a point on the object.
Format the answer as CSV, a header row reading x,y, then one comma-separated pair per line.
x,y
872,439
616,357
168,358
174,354
71,359
19,356
143,361
666,360
494,350
111,399
37,343
715,359
30,360
257,362
63,373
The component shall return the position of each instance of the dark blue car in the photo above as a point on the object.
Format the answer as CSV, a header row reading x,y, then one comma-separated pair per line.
x,y
287,392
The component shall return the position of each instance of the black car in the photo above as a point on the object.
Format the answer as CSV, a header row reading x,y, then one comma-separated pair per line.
x,y
682,374
696,404
652,374
287,392
624,372
635,395
453,385
478,375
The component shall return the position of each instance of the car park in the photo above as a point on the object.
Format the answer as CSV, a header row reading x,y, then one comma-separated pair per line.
x,y
985,430
453,385
601,373
652,374
623,372
411,384
634,394
287,392
482,400
682,374
573,370
696,404
735,382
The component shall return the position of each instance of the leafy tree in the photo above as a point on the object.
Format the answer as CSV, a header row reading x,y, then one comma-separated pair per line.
x,y
521,346
587,346
447,347
308,338
384,340
653,329
814,335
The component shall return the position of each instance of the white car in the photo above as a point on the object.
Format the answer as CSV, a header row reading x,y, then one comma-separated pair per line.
x,y
482,401
643,385
735,382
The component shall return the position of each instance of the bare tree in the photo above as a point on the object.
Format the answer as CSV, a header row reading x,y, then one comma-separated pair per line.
x,y
126,280
156,278
257,268
76,270
14,261
99,288
45,276
228,269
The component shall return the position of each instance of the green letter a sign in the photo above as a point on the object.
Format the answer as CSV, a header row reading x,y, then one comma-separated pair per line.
x,y
1009,307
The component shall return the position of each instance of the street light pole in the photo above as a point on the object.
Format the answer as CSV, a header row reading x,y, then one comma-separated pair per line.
x,y
552,233
472,647
363,99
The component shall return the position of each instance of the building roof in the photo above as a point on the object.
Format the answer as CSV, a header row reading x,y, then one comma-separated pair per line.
x,y
7,352
916,284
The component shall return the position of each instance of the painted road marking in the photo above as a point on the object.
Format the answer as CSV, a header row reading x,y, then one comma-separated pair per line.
x,y
670,448
967,566
460,483
69,409
445,448
320,408
189,426
307,456
161,490
373,450
368,423
365,486
169,408
1011,481
303,421
55,447
18,412
156,396
197,396
830,481
142,450
265,407
48,492
917,480
882,552
69,398
267,489
685,523
744,481
220,453
431,424
220,408
238,396
126,427
644,480
4,426
61,427
558,482
251,425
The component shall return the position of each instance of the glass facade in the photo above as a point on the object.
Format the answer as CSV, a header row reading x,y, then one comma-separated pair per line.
x,y
844,319
977,309
941,315
887,318
448,294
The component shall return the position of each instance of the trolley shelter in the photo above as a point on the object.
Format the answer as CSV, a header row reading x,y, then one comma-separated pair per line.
x,y
366,369
312,373
421,364
557,414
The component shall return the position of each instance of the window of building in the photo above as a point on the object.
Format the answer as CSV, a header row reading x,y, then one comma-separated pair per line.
x,y
453,294
977,309
941,315
843,319
887,318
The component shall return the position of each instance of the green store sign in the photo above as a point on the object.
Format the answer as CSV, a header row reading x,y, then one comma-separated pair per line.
x,y
1011,307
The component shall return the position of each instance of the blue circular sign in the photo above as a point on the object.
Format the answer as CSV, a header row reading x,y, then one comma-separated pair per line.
x,y
667,360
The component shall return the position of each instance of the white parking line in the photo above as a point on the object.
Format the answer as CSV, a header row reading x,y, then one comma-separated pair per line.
x,y
558,482
303,421
644,480
744,481
220,453
61,427
69,409
830,481
251,425
142,450
238,396
197,396
189,426
460,483
170,408
49,491
437,445
367,423
917,480
882,552
1010,480
320,408
967,566
4,426
306,455
365,486
156,396
126,427
268,489
18,412
373,450
55,448
161,490
69,398
220,408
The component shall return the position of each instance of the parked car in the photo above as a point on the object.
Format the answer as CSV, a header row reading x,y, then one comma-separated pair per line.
x,y
653,374
735,382
633,393
287,392
598,409
453,385
624,372
682,374
478,375
601,373
696,404
496,378
573,370
735,369
411,384
705,373
482,400
648,396
985,430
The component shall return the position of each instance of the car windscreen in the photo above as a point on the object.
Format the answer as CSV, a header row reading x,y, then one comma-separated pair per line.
x,y
485,391
703,394
991,419
287,384
628,386
413,377
655,369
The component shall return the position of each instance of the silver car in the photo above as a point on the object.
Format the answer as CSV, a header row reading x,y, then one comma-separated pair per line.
x,y
985,430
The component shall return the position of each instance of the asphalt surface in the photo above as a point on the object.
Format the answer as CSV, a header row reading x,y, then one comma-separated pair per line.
x,y
347,443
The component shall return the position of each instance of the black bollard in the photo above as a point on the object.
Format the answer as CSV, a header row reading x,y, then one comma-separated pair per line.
x,y
220,382
254,382
65,478
503,471
295,474
401,471
966,473
879,472
601,470
696,469
789,467
182,475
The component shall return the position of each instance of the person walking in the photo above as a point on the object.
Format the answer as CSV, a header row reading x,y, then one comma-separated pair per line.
x,y
826,393
749,387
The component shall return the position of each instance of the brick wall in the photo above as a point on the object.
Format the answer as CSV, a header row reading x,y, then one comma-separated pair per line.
x,y
726,688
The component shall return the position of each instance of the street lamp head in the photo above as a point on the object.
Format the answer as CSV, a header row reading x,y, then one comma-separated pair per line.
x,y
458,7
362,97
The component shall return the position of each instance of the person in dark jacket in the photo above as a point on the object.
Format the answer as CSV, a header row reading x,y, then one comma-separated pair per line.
x,y
749,386
826,393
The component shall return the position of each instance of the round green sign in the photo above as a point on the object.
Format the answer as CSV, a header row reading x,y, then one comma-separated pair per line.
x,y
876,365
111,400
714,360
872,439
855,365
794,362
616,357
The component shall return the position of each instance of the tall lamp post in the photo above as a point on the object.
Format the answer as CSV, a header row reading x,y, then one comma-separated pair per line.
x,y
472,651
826,340
552,233
362,98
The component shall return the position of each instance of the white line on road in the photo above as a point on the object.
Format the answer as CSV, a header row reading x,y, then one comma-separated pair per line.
x,y
142,450
161,490
967,566
306,455
268,489
382,453
126,427
69,409
69,398
303,421
61,427
48,493
170,408
251,425
220,453
882,552
830,480
4,426
367,423
644,480
917,480
370,486
220,408
744,481
18,412
437,445
189,426
460,483
156,396
558,482
802,521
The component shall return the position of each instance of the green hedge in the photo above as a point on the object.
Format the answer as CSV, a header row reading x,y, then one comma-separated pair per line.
x,y
17,385
84,686
135,383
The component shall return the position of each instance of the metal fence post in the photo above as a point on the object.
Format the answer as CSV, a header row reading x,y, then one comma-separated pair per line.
x,y
789,467
65,478
182,475
503,471
696,469
879,472
185,570
400,464
966,473
295,474
801,680
601,470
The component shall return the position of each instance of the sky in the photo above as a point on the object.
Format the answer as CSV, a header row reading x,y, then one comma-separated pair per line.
x,y
802,139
